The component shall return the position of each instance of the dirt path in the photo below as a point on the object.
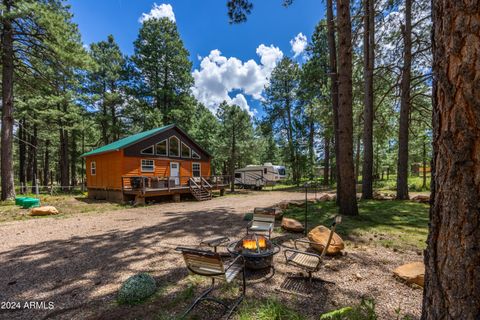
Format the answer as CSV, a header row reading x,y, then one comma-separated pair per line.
x,y
78,263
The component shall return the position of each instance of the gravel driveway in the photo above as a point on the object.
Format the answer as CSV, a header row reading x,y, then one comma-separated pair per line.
x,y
70,267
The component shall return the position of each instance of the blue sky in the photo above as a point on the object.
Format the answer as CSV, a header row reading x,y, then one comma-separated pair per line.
x,y
226,72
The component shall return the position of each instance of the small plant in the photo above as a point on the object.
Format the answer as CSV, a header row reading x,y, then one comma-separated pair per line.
x,y
365,310
248,217
136,289
270,309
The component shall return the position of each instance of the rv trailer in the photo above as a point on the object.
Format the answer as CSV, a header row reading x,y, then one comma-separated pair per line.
x,y
259,176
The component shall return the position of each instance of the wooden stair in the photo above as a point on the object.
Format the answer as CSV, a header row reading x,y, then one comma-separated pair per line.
x,y
200,192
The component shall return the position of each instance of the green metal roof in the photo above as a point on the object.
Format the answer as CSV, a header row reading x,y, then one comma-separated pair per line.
x,y
125,142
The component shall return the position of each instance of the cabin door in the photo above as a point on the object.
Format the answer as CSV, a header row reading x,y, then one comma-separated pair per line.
x,y
175,172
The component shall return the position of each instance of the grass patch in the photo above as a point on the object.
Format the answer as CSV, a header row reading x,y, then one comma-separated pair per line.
x,y
270,309
66,205
394,224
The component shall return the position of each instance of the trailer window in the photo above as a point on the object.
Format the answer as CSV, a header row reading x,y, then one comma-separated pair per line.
x,y
196,169
93,168
264,170
238,175
148,165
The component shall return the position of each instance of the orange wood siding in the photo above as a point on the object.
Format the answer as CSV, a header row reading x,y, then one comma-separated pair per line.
x,y
112,166
108,172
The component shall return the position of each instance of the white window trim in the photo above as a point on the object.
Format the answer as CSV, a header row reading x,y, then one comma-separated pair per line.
x,y
194,152
199,169
189,150
167,150
93,167
141,165
179,147
150,154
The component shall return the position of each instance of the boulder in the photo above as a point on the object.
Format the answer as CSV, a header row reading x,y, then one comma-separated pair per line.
x,y
283,205
136,289
323,197
43,211
413,272
278,213
421,198
320,235
292,225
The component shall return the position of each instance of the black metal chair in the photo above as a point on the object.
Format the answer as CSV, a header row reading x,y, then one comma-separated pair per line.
x,y
309,262
210,264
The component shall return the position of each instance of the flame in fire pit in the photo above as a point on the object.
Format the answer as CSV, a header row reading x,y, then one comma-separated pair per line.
x,y
251,244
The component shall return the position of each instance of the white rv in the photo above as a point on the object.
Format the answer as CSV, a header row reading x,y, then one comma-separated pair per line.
x,y
259,176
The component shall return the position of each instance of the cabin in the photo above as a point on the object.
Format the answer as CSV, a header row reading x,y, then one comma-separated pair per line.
x,y
164,161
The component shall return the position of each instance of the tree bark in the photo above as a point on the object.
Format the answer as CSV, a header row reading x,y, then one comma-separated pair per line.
x,y
326,164
46,163
22,150
33,157
348,199
424,156
369,59
357,159
64,167
73,158
332,55
311,148
233,155
452,259
8,188
402,165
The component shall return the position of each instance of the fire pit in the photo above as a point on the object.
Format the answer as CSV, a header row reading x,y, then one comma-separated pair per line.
x,y
257,250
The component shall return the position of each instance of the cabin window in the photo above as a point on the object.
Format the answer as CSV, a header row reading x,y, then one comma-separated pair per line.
x,y
185,151
264,170
174,143
162,148
147,150
93,168
238,175
195,155
196,169
148,165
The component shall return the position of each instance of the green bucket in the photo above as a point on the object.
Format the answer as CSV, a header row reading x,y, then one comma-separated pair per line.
x,y
30,203
19,200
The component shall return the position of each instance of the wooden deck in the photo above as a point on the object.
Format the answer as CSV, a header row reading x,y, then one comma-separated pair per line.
x,y
148,186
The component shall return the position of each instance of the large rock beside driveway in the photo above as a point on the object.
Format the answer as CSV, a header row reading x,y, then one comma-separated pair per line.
x,y
319,235
292,225
413,272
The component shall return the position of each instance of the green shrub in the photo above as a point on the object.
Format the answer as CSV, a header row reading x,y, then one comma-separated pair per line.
x,y
363,311
136,289
270,309
248,216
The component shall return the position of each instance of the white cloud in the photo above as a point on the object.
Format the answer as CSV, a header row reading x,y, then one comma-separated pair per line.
x,y
164,10
299,44
218,76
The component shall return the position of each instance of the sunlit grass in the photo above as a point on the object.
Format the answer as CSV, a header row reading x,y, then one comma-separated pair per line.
x,y
397,224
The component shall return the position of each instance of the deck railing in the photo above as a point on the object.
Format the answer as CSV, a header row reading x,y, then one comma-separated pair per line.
x,y
151,183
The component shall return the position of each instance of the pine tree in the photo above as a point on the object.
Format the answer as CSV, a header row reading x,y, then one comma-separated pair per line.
x,y
163,70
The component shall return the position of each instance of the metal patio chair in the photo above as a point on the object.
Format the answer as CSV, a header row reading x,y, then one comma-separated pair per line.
x,y
263,221
210,264
307,261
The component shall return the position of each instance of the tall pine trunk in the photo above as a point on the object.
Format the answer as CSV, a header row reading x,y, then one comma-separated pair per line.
x,y
369,59
452,259
233,152
332,56
46,163
8,188
326,164
402,165
311,148
348,197
73,158
63,164
424,160
33,156
22,152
